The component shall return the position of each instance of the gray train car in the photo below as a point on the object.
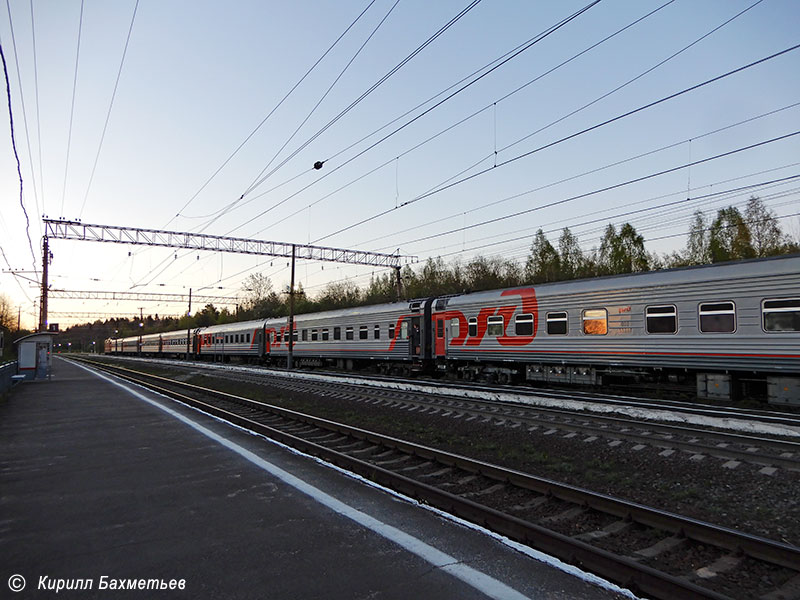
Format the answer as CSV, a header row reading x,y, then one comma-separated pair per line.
x,y
221,342
176,344
730,325
388,336
151,344
129,345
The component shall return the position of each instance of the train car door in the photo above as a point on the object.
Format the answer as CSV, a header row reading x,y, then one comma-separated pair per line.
x,y
439,346
416,337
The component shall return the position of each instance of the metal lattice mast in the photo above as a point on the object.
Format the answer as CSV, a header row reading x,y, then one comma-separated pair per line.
x,y
143,297
74,230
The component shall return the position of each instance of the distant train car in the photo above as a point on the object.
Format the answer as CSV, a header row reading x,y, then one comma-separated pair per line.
x,y
222,342
177,344
380,335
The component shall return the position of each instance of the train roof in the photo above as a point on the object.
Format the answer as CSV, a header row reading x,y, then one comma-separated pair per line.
x,y
356,311
233,325
723,272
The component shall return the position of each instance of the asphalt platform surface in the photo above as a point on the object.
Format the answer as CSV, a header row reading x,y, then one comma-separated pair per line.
x,y
105,486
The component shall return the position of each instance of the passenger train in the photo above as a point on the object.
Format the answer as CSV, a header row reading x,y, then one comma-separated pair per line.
x,y
725,330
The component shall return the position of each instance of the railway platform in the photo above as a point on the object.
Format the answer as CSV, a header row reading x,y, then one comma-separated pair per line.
x,y
108,489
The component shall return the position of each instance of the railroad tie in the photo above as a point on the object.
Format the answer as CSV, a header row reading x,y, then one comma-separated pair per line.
x,y
661,547
723,564
610,529
788,591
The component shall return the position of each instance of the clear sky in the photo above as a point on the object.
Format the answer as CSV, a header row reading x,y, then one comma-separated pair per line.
x,y
199,77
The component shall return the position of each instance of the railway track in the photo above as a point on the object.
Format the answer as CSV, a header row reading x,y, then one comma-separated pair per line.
x,y
681,441
653,552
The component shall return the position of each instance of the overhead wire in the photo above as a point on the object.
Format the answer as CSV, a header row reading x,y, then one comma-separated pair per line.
x,y
634,79
224,210
271,112
110,106
561,140
593,171
38,119
24,112
507,58
72,109
16,158
260,179
614,186
666,205
313,110
605,211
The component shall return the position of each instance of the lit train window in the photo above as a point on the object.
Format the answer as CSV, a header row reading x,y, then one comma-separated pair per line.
x,y
472,326
363,332
523,324
557,323
454,327
595,321
661,319
719,317
781,315
348,333
404,330
377,332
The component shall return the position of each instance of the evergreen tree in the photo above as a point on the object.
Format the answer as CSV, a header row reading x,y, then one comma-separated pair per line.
x,y
543,263
697,247
729,238
570,255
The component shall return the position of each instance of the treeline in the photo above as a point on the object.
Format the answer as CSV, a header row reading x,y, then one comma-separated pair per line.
x,y
729,235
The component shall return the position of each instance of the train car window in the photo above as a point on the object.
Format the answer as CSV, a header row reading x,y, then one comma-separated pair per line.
x,y
391,331
363,332
719,317
404,330
439,328
472,327
376,332
595,321
248,338
348,333
494,325
454,328
781,315
556,323
314,335
661,319
294,335
337,333
523,324
305,335
324,335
